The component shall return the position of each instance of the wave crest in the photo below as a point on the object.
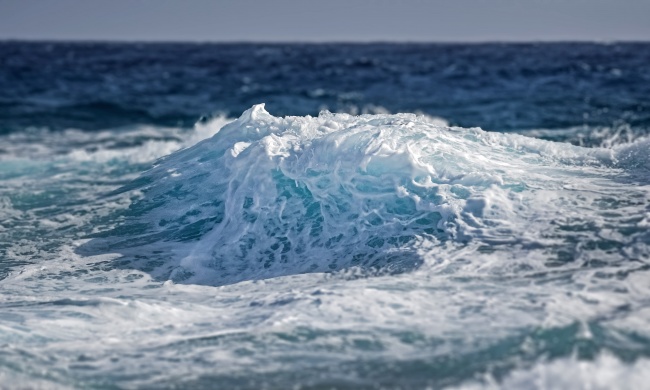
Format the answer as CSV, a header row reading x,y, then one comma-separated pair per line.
x,y
268,196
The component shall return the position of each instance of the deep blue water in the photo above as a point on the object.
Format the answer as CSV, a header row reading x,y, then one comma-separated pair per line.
x,y
378,216
498,87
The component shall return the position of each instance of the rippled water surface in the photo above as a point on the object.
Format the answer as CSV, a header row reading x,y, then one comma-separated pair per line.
x,y
324,216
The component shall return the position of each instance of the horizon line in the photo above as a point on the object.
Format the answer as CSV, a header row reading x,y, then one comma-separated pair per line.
x,y
318,42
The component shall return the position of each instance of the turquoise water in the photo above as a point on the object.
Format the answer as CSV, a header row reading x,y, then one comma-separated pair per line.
x,y
360,230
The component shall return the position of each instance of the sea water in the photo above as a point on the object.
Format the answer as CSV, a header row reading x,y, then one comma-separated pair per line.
x,y
324,216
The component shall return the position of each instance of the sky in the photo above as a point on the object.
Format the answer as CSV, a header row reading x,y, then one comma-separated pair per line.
x,y
332,20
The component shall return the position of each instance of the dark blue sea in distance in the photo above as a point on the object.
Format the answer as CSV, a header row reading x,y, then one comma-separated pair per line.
x,y
324,216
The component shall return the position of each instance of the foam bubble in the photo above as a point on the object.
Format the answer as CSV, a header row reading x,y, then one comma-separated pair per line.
x,y
605,372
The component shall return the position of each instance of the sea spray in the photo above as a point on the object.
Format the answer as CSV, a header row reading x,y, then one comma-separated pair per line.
x,y
268,196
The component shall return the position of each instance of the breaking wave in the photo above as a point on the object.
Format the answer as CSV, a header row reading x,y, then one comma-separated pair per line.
x,y
268,196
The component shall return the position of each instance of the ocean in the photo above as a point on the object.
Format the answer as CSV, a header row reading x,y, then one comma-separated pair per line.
x,y
324,216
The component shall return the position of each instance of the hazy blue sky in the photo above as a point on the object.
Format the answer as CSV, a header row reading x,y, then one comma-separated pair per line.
x,y
333,20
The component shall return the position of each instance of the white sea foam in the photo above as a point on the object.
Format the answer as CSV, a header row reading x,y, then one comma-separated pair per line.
x,y
270,196
137,145
605,372
600,136
514,262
